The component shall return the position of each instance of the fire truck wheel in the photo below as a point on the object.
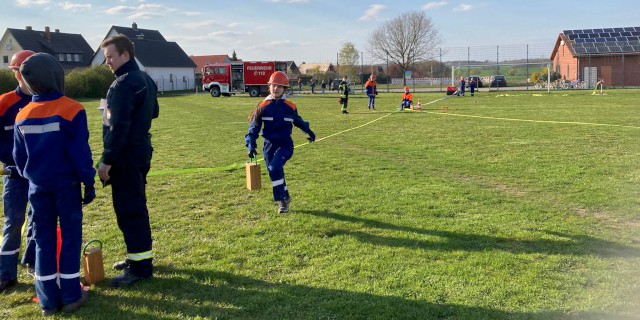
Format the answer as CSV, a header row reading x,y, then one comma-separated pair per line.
x,y
254,92
215,92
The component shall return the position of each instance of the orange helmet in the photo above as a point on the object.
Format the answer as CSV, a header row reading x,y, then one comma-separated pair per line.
x,y
280,78
406,89
19,57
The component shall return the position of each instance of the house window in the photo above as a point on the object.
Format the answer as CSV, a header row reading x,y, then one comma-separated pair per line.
x,y
69,57
60,56
5,59
77,57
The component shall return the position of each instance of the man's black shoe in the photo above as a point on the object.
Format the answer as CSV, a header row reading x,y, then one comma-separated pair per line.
x,y
121,265
126,278
6,284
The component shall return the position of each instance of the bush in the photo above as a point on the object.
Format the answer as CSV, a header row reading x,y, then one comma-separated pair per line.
x,y
90,82
8,81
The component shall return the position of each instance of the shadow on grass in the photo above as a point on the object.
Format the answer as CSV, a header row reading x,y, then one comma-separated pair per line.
x,y
191,293
571,244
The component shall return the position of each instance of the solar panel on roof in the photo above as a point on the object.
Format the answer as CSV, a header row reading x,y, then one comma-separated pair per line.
x,y
572,36
627,48
593,35
630,29
580,50
587,31
621,38
625,33
601,39
589,40
577,31
636,47
608,29
603,34
635,33
597,30
618,29
567,32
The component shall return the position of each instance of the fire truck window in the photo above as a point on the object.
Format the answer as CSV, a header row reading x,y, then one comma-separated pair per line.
x,y
221,70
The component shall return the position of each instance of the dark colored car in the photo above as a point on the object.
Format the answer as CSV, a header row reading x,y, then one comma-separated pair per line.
x,y
498,81
335,84
477,79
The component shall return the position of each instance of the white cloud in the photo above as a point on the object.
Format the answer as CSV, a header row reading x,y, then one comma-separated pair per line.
x,y
463,7
118,9
145,15
147,11
372,12
73,6
28,3
432,5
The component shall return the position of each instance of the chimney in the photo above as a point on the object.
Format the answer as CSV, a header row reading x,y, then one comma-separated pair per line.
x,y
134,26
47,33
29,28
57,30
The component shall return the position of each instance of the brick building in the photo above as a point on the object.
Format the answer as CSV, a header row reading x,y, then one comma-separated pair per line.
x,y
611,54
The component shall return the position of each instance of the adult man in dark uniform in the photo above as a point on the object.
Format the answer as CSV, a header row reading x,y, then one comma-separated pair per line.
x,y
131,104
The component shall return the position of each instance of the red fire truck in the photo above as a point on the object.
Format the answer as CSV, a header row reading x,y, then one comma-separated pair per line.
x,y
240,77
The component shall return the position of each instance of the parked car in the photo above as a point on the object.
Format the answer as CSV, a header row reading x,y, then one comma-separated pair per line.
x,y
335,84
477,79
498,81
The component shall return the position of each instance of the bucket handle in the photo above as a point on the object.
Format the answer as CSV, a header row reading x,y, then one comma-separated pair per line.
x,y
84,249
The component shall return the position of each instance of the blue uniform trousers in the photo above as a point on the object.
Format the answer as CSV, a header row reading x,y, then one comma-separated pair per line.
x,y
372,101
128,183
275,157
15,197
57,287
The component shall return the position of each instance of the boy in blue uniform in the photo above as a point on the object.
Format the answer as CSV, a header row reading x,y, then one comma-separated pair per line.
x,y
51,150
278,116
16,188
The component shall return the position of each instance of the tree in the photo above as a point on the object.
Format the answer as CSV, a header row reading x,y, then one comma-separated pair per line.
x,y
405,40
348,58
234,57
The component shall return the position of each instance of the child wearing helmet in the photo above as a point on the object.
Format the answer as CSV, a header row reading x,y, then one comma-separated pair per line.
x,y
372,91
275,117
407,99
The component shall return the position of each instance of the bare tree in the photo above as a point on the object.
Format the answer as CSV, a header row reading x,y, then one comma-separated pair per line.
x,y
405,40
348,58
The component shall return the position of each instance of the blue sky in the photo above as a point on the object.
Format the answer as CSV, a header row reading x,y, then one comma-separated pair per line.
x,y
315,30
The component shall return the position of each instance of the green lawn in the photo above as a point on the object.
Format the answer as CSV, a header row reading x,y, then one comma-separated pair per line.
x,y
508,205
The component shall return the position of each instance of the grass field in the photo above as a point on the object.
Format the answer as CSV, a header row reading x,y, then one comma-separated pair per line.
x,y
515,205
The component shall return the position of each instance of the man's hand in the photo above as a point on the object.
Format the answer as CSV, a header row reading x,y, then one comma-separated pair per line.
x,y
103,172
252,153
89,194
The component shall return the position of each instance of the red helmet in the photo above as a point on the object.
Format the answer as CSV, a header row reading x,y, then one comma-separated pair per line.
x,y
373,77
19,58
280,78
406,89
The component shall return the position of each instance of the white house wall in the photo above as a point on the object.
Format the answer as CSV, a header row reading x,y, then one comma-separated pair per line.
x,y
171,79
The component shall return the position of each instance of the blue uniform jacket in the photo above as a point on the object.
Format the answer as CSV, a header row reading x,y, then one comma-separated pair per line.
x,y
10,105
51,140
278,116
372,87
